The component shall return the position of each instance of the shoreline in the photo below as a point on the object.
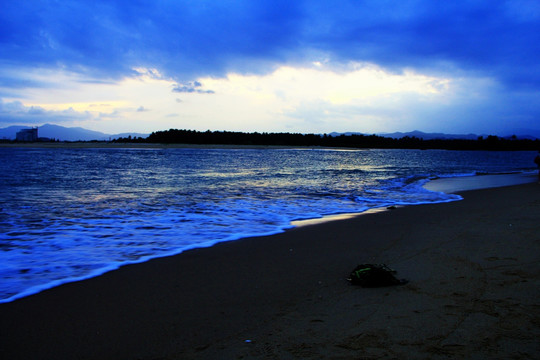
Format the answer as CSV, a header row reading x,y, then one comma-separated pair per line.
x,y
114,145
473,267
447,185
457,184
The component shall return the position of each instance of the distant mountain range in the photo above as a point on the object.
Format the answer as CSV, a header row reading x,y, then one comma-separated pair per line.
x,y
531,134
80,134
66,133
430,136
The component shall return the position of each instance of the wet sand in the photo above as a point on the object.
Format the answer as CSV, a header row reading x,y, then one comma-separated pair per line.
x,y
473,267
466,183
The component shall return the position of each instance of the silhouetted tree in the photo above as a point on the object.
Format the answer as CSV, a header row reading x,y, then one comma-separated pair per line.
x,y
358,141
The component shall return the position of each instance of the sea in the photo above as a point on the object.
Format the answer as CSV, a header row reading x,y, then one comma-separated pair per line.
x,y
70,214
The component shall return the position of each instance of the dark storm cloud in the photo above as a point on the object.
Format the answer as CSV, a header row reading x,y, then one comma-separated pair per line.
x,y
188,39
109,38
499,39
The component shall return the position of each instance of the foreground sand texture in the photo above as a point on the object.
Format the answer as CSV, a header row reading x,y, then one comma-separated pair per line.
x,y
473,266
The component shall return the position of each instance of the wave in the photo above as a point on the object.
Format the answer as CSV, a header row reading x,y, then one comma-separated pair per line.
x,y
148,205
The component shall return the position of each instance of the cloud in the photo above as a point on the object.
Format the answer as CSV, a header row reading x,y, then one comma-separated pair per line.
x,y
186,40
178,47
477,36
142,109
17,112
191,87
112,38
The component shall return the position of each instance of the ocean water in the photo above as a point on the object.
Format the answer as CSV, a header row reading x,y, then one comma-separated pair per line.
x,y
71,214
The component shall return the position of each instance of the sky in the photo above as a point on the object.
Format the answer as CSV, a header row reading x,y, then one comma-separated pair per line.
x,y
313,66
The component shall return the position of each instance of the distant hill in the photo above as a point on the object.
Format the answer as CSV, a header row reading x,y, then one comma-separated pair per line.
x,y
70,134
430,136
415,133
65,133
9,133
529,134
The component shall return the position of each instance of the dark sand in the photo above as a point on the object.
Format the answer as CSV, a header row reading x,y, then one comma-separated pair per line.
x,y
473,266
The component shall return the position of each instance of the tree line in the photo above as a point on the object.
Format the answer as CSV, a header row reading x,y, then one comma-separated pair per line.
x,y
357,141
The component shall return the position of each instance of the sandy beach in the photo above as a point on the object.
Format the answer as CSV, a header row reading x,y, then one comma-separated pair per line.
x,y
473,267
